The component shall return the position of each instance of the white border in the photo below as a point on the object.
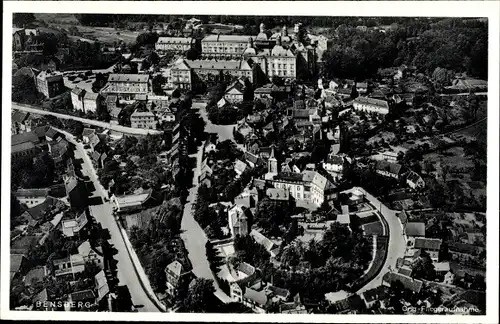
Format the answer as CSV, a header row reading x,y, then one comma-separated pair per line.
x,y
490,9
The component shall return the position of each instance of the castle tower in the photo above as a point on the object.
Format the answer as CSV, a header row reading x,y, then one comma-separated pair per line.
x,y
272,163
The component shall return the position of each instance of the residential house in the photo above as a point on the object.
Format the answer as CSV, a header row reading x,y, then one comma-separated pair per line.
x,y
96,143
177,275
25,145
388,169
414,285
21,123
239,167
69,265
77,193
49,83
130,203
238,220
180,76
248,198
52,135
73,227
80,300
89,255
336,165
430,245
37,274
111,102
143,119
101,286
371,105
18,265
32,197
60,151
372,296
362,88
414,180
414,229
269,245
235,92
127,86
87,134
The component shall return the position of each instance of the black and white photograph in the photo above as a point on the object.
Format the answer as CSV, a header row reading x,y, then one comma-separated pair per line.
x,y
272,164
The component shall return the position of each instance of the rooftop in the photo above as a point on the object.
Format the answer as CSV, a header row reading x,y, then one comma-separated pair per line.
x,y
415,229
140,78
427,243
372,101
408,282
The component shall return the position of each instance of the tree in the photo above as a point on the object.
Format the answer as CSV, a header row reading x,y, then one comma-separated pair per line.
x,y
423,267
213,257
103,113
157,83
24,90
23,19
200,297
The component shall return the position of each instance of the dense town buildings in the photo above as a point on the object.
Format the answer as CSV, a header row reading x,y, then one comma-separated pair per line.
x,y
127,86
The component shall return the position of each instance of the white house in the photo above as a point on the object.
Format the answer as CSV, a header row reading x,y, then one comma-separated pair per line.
x,y
371,105
32,197
235,92
414,181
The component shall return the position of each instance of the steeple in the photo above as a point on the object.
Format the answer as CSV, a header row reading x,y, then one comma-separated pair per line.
x,y
272,163
250,42
278,40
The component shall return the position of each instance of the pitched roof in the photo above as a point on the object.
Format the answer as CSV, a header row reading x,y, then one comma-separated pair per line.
x,y
372,101
252,158
35,192
262,240
88,131
102,285
175,40
408,282
218,65
19,116
259,297
139,78
392,168
24,138
464,248
240,166
16,261
413,176
175,267
427,243
277,194
37,274
78,91
227,38
415,229
82,295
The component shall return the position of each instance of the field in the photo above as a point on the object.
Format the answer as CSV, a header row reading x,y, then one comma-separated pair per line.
x,y
59,18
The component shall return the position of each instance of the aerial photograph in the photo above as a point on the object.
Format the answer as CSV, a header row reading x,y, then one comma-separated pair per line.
x,y
248,164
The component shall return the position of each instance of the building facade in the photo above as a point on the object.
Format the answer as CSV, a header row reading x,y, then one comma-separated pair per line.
x,y
127,86
371,105
50,84
176,44
224,45
143,119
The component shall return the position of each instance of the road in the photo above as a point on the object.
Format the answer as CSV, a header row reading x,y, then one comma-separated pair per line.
x,y
193,235
117,128
103,214
397,242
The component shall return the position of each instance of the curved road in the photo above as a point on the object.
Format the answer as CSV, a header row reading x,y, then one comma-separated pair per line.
x,y
397,243
117,128
103,214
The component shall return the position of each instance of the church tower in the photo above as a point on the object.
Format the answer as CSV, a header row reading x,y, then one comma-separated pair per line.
x,y
272,163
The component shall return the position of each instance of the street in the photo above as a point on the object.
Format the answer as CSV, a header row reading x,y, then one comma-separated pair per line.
x,y
397,242
103,214
118,128
193,235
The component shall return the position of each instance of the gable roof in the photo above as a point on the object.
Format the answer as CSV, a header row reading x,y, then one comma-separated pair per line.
x,y
372,101
392,168
16,261
414,285
427,243
259,297
415,229
262,240
139,78
82,295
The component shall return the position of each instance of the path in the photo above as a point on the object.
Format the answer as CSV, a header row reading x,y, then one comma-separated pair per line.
x,y
397,243
193,235
103,213
117,128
